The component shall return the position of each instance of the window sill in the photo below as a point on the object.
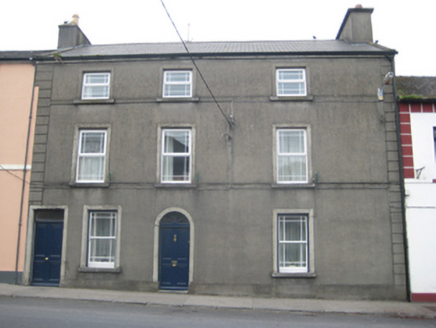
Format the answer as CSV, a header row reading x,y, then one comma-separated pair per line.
x,y
177,100
296,98
176,185
99,270
293,185
306,275
93,101
89,185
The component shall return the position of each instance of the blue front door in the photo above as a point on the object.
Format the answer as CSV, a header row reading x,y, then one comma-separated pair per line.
x,y
47,253
174,252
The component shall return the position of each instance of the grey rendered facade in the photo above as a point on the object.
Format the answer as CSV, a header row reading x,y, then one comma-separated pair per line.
x,y
232,197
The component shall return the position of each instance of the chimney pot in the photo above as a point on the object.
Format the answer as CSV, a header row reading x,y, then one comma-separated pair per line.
x,y
359,6
76,19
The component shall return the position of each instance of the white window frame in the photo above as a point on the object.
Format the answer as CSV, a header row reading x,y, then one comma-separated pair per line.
x,y
166,93
290,155
81,155
86,85
113,246
302,241
280,81
309,269
423,143
169,154
85,265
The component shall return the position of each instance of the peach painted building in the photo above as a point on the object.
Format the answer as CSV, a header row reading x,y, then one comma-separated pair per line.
x,y
17,121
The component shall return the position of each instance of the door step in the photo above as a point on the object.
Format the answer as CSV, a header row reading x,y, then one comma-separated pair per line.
x,y
173,291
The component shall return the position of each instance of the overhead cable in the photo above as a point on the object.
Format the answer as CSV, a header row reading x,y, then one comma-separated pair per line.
x,y
229,121
2,168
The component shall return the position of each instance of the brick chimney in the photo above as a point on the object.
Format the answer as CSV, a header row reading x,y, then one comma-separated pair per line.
x,y
357,26
70,34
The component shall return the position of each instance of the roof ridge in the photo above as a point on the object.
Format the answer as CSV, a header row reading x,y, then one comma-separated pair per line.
x,y
212,42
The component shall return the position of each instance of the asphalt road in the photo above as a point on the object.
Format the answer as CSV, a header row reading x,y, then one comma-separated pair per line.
x,y
48,313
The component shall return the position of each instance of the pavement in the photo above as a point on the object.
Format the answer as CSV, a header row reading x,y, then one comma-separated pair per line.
x,y
385,308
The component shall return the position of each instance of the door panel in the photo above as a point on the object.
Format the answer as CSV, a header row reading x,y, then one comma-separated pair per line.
x,y
174,252
47,253
174,258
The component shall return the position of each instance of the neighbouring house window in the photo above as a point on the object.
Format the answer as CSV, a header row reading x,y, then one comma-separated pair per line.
x,y
292,243
91,158
291,82
292,166
96,86
102,239
176,156
177,84
434,136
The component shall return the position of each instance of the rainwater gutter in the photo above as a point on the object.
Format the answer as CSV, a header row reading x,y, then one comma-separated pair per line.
x,y
401,177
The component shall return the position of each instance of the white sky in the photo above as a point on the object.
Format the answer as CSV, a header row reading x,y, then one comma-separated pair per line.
x,y
408,27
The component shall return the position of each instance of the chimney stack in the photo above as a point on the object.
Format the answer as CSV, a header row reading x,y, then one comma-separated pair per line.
x,y
357,26
70,34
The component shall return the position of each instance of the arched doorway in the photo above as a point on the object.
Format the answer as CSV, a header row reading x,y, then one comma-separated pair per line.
x,y
174,234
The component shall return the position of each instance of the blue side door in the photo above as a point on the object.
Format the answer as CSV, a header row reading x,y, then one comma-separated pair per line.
x,y
174,255
47,253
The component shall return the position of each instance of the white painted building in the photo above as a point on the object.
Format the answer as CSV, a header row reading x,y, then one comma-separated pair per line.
x,y
418,136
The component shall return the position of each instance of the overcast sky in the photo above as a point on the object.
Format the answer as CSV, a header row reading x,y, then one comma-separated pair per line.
x,y
406,26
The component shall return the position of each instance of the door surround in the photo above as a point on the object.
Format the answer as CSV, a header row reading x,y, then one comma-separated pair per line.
x,y
156,243
30,242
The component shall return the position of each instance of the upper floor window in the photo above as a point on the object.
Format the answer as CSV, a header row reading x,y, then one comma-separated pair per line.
x,y
291,82
91,156
177,84
176,156
292,159
96,86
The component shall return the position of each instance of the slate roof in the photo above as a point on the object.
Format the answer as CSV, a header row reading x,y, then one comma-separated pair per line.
x,y
310,47
416,87
227,48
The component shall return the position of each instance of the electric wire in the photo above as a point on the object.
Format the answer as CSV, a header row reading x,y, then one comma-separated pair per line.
x,y
14,175
230,122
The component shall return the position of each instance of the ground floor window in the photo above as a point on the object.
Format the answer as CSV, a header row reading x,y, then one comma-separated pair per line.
x,y
293,243
102,239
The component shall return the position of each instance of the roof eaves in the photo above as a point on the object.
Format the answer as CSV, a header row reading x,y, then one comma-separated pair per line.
x,y
230,54
383,48
416,99
16,56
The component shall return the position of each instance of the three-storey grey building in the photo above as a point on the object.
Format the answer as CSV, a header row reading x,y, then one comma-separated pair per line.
x,y
237,168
